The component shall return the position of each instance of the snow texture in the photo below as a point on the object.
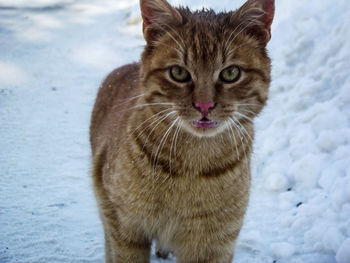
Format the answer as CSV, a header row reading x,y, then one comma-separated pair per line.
x,y
54,54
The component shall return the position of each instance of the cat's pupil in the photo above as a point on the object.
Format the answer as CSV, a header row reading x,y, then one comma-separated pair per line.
x,y
179,74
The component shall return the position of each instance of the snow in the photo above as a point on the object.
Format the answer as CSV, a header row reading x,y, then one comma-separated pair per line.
x,y
282,250
54,54
31,3
276,182
333,239
343,254
10,73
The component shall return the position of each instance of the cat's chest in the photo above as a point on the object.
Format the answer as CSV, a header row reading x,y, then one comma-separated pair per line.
x,y
158,196
192,199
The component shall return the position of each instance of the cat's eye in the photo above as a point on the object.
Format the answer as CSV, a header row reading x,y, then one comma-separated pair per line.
x,y
179,74
230,74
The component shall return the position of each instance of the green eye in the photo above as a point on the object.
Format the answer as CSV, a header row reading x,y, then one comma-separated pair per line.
x,y
230,74
179,74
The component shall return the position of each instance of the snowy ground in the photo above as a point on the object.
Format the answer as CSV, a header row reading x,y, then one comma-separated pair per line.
x,y
53,55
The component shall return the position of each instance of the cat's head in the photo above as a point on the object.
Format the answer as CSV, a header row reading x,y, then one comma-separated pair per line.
x,y
207,71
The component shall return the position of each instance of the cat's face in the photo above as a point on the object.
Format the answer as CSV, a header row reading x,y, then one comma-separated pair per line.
x,y
209,72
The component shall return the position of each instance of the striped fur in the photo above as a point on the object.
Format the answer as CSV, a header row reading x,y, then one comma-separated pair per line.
x,y
156,177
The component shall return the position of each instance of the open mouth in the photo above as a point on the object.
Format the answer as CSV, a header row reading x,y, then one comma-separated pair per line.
x,y
205,123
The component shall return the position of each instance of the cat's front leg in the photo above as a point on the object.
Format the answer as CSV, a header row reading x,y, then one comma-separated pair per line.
x,y
204,243
160,251
123,246
124,242
212,257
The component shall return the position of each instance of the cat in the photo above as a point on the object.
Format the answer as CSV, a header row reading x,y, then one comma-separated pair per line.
x,y
172,135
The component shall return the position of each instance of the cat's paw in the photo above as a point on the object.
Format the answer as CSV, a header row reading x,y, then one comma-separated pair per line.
x,y
162,254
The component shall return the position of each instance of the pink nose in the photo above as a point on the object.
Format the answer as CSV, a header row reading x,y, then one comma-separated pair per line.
x,y
204,107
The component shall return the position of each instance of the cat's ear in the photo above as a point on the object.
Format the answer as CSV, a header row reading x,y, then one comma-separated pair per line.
x,y
156,14
257,16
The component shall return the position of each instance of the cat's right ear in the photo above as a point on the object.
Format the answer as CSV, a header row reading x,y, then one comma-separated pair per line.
x,y
156,15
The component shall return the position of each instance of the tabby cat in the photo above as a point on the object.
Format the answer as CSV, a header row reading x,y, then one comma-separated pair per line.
x,y
172,135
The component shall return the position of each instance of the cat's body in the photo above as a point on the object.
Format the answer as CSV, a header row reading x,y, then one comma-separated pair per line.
x,y
193,207
166,164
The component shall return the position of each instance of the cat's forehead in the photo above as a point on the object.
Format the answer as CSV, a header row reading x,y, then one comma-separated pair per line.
x,y
208,35
205,25
203,45
208,42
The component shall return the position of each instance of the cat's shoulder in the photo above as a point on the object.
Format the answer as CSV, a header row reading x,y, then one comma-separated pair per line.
x,y
121,83
124,73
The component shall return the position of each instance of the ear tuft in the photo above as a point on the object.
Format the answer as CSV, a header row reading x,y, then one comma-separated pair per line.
x,y
268,6
156,13
258,14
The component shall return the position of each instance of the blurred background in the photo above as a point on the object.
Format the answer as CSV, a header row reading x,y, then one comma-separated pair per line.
x,y
54,55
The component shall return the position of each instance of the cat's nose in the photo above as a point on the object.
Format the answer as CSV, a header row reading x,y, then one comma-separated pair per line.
x,y
204,107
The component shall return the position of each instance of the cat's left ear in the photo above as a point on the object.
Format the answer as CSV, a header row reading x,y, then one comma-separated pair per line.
x,y
156,14
258,16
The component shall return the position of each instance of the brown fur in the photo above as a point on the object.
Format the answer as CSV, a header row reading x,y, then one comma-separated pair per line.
x,y
159,178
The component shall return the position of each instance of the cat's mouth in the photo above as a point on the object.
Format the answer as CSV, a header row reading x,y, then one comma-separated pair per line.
x,y
205,123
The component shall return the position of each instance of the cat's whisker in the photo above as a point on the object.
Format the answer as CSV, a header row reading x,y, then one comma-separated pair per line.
x,y
153,116
151,104
240,134
172,144
244,131
247,104
249,111
126,100
175,146
162,143
161,43
172,37
148,126
231,41
159,121
131,98
244,116
229,37
242,127
180,47
173,30
233,50
234,139
245,27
